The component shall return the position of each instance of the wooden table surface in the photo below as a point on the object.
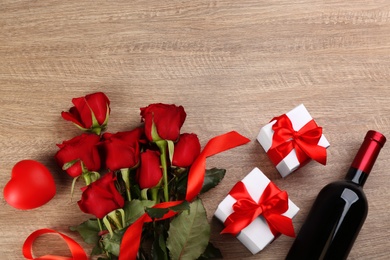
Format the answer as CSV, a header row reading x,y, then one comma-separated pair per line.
x,y
233,65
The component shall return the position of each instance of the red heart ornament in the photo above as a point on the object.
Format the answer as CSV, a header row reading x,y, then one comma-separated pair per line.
x,y
31,185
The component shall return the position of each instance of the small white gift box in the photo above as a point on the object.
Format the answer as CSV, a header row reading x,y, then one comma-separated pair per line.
x,y
299,117
257,234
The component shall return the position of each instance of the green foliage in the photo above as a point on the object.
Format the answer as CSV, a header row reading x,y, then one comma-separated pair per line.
x,y
211,252
157,213
189,233
89,231
159,248
212,178
112,244
135,209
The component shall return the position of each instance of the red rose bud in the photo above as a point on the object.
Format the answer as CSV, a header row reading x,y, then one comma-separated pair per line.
x,y
163,121
122,149
149,173
101,197
186,150
90,113
82,148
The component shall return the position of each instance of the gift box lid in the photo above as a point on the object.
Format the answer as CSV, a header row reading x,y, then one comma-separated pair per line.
x,y
299,116
256,235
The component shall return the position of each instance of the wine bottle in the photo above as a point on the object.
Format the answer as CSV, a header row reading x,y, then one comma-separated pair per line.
x,y
339,211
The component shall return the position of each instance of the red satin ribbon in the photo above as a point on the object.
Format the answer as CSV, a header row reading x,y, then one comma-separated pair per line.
x,y
272,203
305,141
132,238
75,249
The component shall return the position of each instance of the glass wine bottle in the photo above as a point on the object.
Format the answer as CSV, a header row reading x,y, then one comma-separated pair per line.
x,y
339,211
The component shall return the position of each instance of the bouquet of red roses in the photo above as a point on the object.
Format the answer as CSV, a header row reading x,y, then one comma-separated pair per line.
x,y
138,183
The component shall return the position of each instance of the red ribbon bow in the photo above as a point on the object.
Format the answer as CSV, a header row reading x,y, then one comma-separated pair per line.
x,y
272,203
305,141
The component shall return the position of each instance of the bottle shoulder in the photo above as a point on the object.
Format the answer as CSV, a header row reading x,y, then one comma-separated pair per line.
x,y
335,189
344,184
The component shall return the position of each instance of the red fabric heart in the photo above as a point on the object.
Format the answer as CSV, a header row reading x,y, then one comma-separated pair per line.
x,y
31,185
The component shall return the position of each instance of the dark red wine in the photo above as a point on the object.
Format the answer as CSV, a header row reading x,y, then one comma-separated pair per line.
x,y
339,211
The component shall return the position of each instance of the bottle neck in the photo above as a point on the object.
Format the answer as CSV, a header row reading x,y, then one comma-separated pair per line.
x,y
366,157
356,176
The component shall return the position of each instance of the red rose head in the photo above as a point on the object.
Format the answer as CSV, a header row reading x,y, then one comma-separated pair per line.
x,y
82,148
186,150
149,172
101,197
90,112
166,120
122,149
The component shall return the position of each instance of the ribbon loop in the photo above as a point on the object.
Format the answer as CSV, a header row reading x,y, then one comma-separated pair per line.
x,y
304,141
75,249
271,205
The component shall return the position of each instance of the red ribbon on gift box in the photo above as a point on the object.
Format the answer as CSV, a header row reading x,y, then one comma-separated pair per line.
x,y
305,141
271,205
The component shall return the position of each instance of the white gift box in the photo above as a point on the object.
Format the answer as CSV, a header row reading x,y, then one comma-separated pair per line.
x,y
256,235
299,117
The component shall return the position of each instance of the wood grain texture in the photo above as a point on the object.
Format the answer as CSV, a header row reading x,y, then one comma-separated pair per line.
x,y
233,65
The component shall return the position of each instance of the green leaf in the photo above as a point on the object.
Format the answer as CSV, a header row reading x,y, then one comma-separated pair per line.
x,y
212,178
160,212
159,248
189,234
112,243
185,205
156,212
89,231
97,250
135,209
182,183
211,252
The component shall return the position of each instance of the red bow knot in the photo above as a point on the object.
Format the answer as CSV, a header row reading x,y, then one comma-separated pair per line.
x,y
271,205
304,141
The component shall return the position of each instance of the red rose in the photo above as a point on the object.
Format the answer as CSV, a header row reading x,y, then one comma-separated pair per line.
x,y
149,172
122,149
82,148
89,112
167,120
101,197
186,150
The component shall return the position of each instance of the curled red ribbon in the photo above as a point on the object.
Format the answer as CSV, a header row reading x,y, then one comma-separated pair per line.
x,y
75,249
305,141
271,205
132,238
